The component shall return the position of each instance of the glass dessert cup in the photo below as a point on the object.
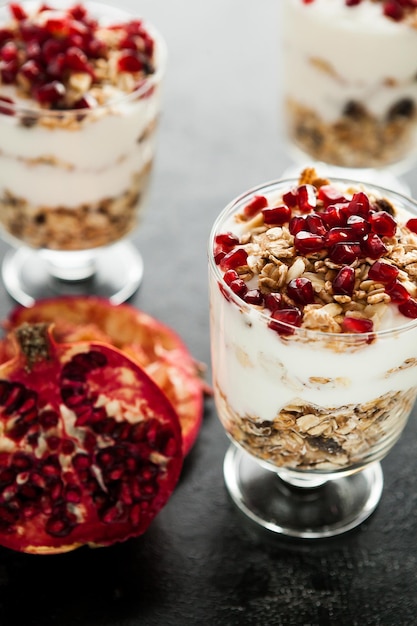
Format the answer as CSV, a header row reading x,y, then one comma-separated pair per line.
x,y
349,94
310,414
74,181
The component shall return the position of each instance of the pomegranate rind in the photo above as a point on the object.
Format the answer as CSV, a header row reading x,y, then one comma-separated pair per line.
x,y
154,345
129,476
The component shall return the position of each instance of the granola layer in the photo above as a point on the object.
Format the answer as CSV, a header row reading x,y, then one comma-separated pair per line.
x,y
310,437
356,139
81,228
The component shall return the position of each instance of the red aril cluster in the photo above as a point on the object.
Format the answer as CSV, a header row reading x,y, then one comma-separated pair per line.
x,y
42,50
324,224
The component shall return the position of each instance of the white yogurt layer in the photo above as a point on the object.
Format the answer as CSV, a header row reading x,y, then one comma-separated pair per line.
x,y
335,53
69,167
260,372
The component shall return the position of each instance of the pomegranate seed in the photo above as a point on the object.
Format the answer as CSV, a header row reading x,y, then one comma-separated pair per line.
x,y
9,52
276,215
128,43
56,67
254,296
333,215
129,62
297,224
301,290
383,272
344,253
308,242
238,287
284,321
5,35
234,259
412,224
7,108
315,224
78,12
383,224
230,276
372,246
393,10
338,235
254,206
306,198
218,254
50,93
290,198
85,102
329,194
33,33
17,11
96,48
397,292
34,51
76,59
273,301
357,325
352,3
9,72
358,205
32,71
359,225
50,49
344,281
409,308
226,240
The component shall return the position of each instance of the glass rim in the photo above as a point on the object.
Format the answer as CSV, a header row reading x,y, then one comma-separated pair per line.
x,y
296,331
149,81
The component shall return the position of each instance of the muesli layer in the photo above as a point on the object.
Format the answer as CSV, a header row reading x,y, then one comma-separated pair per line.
x,y
357,138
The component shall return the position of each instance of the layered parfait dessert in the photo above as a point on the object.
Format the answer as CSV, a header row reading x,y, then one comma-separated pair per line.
x,y
350,80
79,106
313,294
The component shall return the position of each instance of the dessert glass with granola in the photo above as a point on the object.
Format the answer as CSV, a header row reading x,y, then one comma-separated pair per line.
x,y
79,107
350,94
313,312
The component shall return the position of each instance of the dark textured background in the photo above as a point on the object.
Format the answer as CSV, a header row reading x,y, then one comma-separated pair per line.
x,y
199,564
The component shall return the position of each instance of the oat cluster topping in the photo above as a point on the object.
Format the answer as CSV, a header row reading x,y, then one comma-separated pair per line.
x,y
322,258
64,59
396,10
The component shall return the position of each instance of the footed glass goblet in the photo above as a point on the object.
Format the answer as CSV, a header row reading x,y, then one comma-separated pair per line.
x,y
80,98
355,111
314,348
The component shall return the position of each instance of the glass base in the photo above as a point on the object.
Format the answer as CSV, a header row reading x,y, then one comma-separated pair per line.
x,y
114,272
326,510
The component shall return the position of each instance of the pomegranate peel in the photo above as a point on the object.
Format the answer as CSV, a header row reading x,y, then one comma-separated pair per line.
x,y
153,345
90,447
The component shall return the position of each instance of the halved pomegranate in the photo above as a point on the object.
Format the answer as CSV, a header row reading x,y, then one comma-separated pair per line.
x,y
90,447
156,347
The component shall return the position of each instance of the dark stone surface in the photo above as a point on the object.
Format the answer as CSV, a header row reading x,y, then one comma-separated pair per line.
x,y
199,564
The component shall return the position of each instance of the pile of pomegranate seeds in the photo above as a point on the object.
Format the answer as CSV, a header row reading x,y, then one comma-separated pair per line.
x,y
354,237
394,9
56,57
